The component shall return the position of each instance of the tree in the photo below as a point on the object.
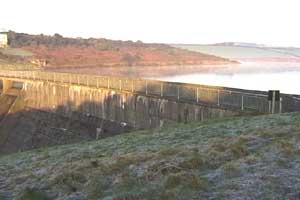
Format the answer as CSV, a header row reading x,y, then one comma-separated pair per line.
x,y
131,59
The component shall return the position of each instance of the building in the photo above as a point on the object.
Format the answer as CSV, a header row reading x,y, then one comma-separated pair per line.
x,y
3,40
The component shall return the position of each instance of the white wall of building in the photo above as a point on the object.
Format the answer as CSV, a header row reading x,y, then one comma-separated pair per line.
x,y
3,40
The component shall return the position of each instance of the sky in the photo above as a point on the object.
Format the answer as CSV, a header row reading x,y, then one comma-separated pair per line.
x,y
270,22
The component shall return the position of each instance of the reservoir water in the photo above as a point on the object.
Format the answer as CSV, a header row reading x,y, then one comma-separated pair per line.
x,y
254,76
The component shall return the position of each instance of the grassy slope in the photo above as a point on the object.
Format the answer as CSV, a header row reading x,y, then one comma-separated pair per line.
x,y
237,158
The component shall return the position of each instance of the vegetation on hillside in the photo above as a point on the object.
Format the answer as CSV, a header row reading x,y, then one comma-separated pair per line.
x,y
237,158
78,52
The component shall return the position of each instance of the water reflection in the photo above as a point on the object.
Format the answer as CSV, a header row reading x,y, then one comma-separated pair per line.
x,y
282,76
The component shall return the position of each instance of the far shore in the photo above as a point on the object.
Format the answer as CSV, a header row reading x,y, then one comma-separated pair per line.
x,y
141,71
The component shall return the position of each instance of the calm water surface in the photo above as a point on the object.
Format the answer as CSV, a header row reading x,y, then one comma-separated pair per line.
x,y
265,76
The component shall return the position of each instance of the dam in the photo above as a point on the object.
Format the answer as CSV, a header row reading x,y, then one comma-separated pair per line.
x,y
102,103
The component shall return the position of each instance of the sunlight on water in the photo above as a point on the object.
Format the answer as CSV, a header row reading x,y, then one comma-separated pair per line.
x,y
287,80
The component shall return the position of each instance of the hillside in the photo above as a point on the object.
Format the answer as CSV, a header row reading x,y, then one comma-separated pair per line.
x,y
238,158
58,51
247,52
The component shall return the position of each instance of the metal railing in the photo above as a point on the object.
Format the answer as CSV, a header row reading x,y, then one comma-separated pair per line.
x,y
231,98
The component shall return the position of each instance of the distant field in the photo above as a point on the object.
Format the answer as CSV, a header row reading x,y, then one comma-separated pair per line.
x,y
16,59
16,52
239,52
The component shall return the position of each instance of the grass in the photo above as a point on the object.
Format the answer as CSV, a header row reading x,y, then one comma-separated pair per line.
x,y
221,159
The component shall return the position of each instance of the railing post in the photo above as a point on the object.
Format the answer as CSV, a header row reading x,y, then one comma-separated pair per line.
x,y
280,105
197,95
120,84
107,82
146,87
161,89
97,83
218,97
178,92
273,102
132,85
242,102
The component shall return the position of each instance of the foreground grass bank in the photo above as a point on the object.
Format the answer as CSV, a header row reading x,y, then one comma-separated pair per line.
x,y
238,158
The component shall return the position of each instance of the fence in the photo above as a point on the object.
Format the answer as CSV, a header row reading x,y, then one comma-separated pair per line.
x,y
231,98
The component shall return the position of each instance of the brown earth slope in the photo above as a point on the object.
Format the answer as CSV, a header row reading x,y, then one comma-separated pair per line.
x,y
64,52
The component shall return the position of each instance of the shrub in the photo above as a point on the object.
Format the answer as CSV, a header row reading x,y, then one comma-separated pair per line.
x,y
71,181
168,151
285,147
230,170
196,161
97,186
186,180
32,194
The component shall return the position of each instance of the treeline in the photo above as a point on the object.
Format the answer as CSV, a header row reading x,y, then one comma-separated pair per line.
x,y
23,39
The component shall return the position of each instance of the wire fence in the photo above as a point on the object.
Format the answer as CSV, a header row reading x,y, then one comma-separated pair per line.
x,y
231,98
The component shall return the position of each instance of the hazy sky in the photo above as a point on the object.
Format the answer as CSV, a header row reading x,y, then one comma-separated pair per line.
x,y
273,22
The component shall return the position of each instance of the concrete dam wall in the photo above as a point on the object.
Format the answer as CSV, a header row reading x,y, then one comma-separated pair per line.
x,y
43,109
127,108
